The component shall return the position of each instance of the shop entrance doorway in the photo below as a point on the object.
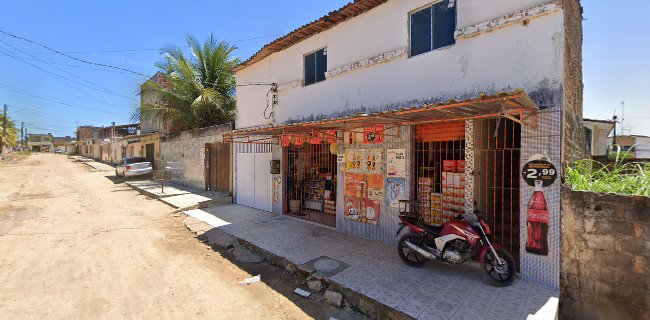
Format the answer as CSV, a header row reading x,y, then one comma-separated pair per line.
x,y
439,169
497,144
310,188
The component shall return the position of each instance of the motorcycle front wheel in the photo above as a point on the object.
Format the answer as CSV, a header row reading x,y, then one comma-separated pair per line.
x,y
407,254
500,276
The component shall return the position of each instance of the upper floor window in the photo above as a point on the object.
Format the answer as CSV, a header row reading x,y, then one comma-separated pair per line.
x,y
315,66
432,27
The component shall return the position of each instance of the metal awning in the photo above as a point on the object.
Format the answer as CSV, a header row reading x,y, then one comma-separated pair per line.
x,y
515,105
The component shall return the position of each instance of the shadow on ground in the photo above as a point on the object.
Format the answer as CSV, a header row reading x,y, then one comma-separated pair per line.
x,y
285,282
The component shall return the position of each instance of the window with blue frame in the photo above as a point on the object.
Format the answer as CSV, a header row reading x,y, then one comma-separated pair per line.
x,y
432,27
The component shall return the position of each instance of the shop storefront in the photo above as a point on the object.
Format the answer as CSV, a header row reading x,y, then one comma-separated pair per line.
x,y
452,157
310,177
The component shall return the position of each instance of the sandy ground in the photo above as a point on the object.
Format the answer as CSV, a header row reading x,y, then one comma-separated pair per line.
x,y
75,244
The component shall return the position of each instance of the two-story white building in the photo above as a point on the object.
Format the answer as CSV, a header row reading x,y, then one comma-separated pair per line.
x,y
439,102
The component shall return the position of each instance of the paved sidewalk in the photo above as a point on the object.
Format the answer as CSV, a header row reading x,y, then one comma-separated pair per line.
x,y
96,165
436,291
375,271
180,197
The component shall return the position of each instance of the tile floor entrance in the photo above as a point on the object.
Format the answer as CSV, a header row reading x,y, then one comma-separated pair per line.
x,y
436,291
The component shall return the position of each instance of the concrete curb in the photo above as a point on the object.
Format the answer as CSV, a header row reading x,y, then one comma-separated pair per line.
x,y
200,205
217,238
146,193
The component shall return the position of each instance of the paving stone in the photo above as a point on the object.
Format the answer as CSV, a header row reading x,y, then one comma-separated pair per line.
x,y
333,298
216,237
244,255
315,285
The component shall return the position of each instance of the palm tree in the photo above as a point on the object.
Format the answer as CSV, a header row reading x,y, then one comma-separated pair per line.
x,y
9,138
201,88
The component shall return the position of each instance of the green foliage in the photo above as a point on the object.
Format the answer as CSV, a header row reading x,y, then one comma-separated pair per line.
x,y
618,177
614,152
202,87
10,138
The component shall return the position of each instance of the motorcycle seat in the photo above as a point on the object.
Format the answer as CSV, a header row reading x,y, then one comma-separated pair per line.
x,y
432,229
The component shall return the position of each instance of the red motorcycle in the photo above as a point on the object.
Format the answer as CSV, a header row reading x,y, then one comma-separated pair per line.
x,y
455,242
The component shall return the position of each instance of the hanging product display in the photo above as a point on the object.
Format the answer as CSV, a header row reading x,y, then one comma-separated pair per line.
x,y
277,181
375,186
363,184
364,160
373,134
395,191
396,160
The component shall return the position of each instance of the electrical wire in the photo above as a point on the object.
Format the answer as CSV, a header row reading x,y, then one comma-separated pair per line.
x,y
94,85
72,57
54,115
63,80
55,101
155,49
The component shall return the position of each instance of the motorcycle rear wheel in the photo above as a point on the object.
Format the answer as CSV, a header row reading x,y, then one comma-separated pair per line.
x,y
409,256
490,266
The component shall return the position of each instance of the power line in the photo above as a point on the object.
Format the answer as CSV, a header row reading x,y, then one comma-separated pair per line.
x,y
50,114
94,85
72,57
58,77
55,101
154,49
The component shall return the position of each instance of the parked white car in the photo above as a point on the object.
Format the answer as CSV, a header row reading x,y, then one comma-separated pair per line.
x,y
131,167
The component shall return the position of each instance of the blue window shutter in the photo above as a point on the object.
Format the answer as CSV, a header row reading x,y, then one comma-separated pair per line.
x,y
421,31
444,24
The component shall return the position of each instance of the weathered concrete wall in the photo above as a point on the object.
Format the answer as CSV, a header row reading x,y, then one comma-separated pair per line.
x,y
573,135
604,264
185,153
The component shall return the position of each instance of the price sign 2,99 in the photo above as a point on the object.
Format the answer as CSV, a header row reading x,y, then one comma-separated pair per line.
x,y
539,170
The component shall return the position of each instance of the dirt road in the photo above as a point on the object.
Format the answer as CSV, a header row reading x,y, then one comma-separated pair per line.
x,y
76,245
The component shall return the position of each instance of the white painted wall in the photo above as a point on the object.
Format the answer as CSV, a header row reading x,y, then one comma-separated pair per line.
x,y
642,147
510,57
599,134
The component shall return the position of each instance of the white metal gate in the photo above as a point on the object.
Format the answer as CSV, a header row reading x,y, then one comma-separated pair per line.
x,y
254,181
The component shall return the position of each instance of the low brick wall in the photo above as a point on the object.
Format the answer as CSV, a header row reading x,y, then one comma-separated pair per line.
x,y
604,267
184,151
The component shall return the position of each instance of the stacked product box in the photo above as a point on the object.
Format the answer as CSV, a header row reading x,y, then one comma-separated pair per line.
x,y
436,209
453,188
330,207
424,191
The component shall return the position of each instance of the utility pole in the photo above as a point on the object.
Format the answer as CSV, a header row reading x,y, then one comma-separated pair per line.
x,y
22,124
4,132
615,122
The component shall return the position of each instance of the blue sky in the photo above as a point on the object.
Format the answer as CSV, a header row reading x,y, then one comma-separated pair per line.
x,y
64,92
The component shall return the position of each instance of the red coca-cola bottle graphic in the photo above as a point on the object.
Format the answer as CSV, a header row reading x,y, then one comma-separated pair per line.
x,y
537,222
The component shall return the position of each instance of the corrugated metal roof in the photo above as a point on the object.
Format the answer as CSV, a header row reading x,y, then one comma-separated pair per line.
x,y
325,22
484,106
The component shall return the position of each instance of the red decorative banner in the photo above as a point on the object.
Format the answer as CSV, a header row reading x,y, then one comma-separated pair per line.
x,y
373,134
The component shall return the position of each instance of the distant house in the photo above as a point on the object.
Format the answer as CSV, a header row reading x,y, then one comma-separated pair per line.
x,y
148,97
597,132
37,142
637,145
106,144
65,144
